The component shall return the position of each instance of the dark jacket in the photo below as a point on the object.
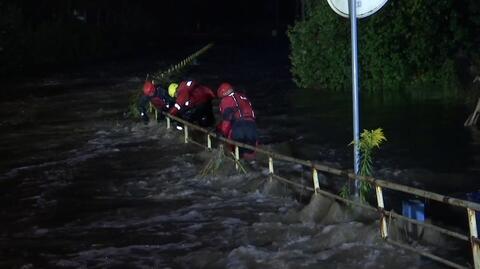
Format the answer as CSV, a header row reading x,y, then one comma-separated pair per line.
x,y
160,100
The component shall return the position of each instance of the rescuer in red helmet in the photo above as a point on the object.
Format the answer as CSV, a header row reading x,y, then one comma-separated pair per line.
x,y
193,103
238,118
157,96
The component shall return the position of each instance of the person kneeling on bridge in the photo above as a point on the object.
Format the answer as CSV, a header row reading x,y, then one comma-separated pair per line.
x,y
193,103
157,96
238,119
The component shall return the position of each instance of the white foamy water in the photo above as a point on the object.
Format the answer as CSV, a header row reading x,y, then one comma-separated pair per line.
x,y
86,189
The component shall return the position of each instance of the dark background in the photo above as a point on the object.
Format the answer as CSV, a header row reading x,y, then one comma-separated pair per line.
x,y
167,16
37,36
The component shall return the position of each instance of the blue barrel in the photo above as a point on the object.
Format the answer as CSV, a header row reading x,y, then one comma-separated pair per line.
x,y
414,209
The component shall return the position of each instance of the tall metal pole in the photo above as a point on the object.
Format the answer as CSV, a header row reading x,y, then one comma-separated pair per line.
x,y
352,6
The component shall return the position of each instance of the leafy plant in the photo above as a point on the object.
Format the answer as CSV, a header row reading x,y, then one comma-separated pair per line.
x,y
409,45
369,140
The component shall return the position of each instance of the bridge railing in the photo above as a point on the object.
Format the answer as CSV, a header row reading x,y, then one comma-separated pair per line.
x,y
379,184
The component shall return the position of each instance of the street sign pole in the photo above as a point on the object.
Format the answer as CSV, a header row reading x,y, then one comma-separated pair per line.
x,y
354,9
352,4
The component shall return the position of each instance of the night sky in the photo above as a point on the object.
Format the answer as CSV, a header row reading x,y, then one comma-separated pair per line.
x,y
212,16
71,32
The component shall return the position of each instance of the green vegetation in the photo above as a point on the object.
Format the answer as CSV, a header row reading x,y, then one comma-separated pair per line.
x,y
408,44
369,140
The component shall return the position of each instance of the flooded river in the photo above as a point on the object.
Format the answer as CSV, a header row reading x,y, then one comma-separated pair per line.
x,y
81,187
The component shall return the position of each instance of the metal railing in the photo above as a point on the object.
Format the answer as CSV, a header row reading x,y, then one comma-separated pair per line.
x,y
379,185
182,63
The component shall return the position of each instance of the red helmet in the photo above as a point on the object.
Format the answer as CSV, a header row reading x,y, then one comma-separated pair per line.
x,y
148,88
224,89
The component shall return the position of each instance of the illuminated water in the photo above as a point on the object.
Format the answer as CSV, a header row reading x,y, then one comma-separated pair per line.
x,y
81,187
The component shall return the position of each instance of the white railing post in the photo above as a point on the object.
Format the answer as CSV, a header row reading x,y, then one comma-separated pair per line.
x,y
381,206
185,129
209,142
316,185
168,122
472,223
237,156
270,167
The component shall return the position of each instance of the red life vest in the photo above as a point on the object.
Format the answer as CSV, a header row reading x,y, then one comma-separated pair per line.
x,y
243,108
234,106
191,95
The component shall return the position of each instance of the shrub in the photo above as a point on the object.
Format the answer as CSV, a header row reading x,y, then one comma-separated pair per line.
x,y
408,44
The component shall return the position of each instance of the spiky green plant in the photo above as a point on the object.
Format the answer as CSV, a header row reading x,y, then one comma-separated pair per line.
x,y
369,140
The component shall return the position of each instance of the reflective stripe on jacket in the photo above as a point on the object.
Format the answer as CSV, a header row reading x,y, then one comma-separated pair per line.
x,y
190,96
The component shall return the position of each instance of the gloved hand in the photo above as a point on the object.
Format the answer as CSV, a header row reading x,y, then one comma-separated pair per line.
x,y
144,118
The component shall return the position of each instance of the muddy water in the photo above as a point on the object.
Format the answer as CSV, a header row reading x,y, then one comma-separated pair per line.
x,y
83,188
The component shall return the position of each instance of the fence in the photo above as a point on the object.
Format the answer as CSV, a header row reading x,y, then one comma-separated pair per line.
x,y
161,75
379,184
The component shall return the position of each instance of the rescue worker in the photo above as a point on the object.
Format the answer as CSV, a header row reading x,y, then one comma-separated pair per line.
x,y
238,119
193,103
157,96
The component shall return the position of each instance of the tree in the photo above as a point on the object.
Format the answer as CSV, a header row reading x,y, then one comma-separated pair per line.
x,y
408,44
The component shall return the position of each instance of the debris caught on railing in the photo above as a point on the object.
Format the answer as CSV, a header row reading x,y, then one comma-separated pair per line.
x,y
217,162
216,166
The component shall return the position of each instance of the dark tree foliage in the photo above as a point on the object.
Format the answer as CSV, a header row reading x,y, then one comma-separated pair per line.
x,y
36,34
408,44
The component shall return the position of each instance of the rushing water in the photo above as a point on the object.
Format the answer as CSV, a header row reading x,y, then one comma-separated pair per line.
x,y
83,188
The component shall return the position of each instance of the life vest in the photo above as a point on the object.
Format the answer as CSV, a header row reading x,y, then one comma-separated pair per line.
x,y
243,108
190,96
